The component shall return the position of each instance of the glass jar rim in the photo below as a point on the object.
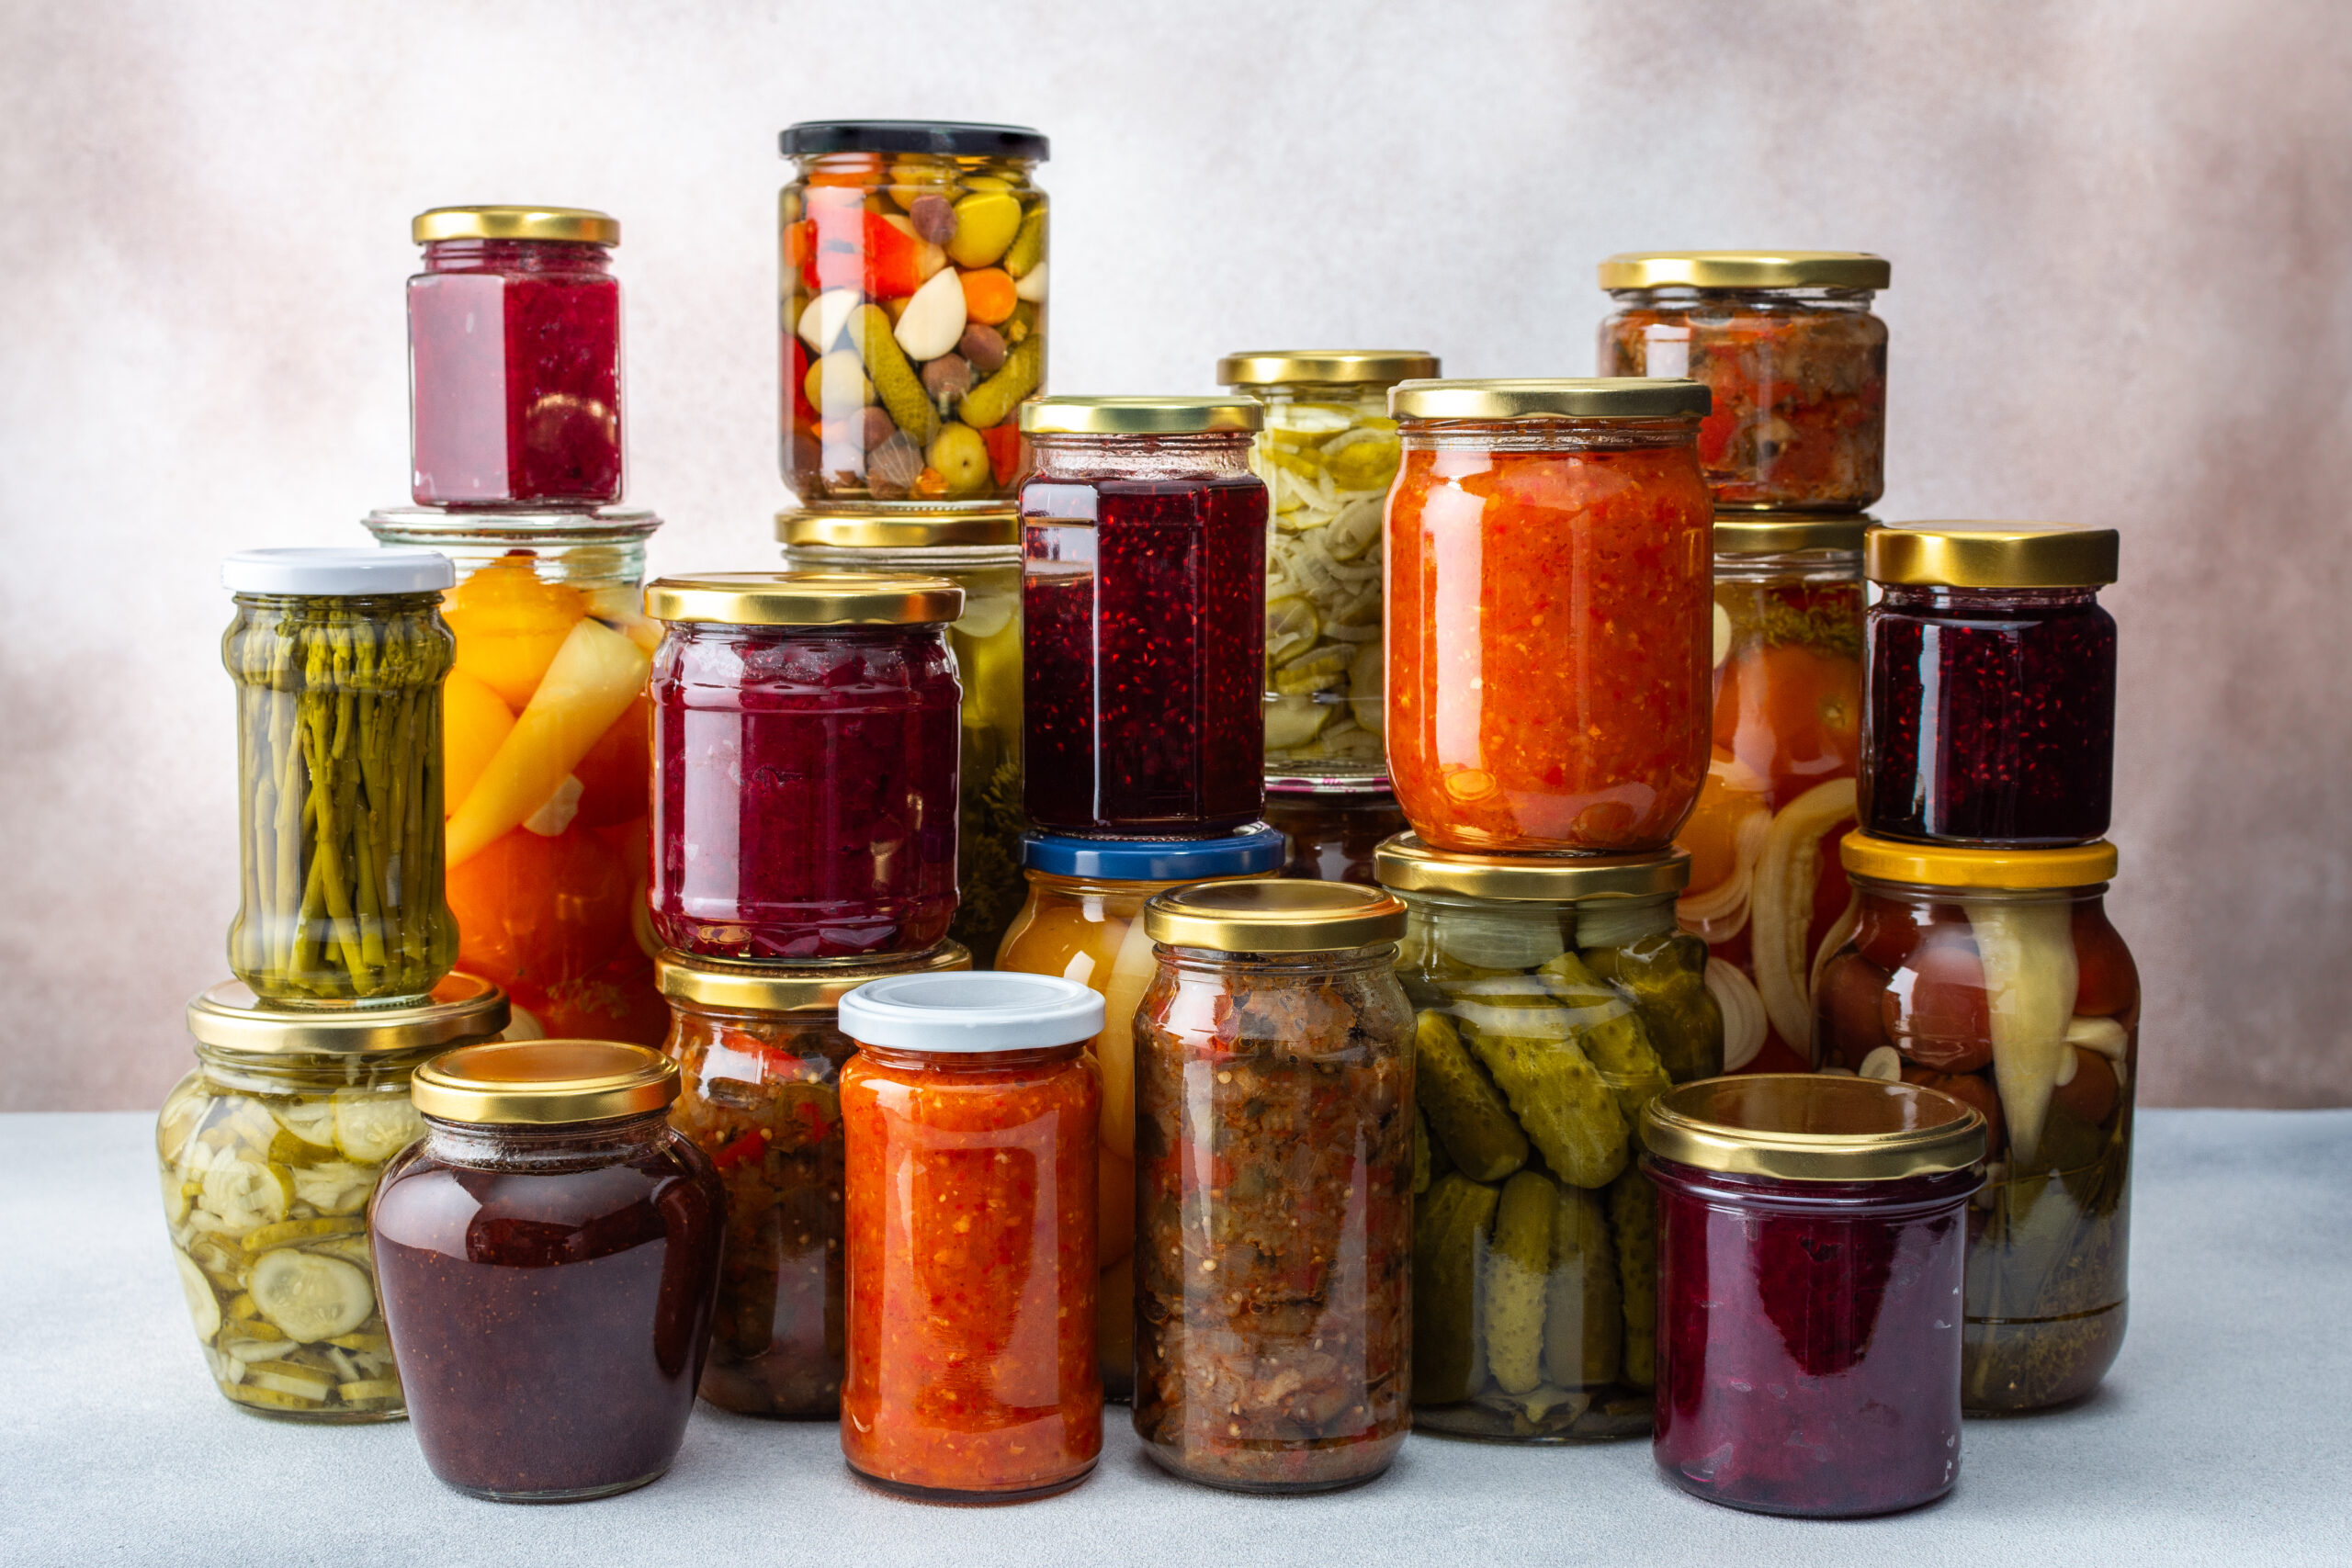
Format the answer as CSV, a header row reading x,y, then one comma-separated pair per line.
x,y
520,525
814,985
461,1008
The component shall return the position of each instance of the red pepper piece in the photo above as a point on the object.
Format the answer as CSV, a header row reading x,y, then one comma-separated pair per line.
x,y
795,382
1003,442
856,249
750,1146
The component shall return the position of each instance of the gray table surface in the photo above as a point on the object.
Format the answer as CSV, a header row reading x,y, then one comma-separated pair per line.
x,y
2224,1433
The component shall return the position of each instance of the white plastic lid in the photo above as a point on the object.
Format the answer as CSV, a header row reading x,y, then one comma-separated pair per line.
x,y
983,1010
335,571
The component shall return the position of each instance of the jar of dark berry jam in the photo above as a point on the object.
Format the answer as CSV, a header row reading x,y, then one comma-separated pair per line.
x,y
548,1255
1990,672
515,358
805,746
1143,607
1810,1235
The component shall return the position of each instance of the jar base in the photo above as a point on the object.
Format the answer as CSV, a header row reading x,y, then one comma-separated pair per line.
x,y
2019,1366
949,1495
1780,1510
1470,1424
325,1417
563,1495
1176,1467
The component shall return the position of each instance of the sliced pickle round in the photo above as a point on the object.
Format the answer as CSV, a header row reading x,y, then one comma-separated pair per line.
x,y
202,1304
246,1194
371,1128
310,1298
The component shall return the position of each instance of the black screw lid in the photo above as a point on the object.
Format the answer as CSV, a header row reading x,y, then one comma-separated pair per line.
x,y
956,138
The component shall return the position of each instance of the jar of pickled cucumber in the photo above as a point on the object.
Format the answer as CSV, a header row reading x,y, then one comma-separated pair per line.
x,y
269,1152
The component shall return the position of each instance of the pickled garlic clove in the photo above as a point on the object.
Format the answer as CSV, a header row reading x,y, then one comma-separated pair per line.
x,y
551,819
826,317
1881,1063
2028,950
1745,1024
1032,285
933,322
1786,874
1722,635
2103,1035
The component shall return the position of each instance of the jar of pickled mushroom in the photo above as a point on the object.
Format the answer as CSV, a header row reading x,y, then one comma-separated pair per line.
x,y
980,553
1084,921
1328,451
968,1116
1333,827
339,656
268,1152
1810,1231
1786,341
1991,673
805,745
1274,1173
1143,624
759,1050
1553,998
914,309
1553,536
1765,881
547,729
514,358
1994,976
548,1253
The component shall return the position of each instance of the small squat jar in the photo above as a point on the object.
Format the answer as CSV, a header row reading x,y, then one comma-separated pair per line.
x,y
1333,827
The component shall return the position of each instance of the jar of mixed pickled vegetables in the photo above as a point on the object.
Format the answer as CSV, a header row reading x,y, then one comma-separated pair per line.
x,y
1548,574
269,1151
914,309
1554,997
1786,341
546,732
1274,1186
1991,670
1994,976
1328,453
1084,921
1333,826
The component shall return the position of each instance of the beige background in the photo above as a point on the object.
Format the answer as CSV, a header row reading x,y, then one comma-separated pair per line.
x,y
2122,247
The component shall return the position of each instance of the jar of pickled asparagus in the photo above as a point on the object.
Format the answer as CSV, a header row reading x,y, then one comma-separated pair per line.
x,y
339,656
547,729
1334,826
269,1151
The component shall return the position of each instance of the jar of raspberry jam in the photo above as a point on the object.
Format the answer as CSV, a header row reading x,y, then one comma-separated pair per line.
x,y
1143,607
1989,668
514,358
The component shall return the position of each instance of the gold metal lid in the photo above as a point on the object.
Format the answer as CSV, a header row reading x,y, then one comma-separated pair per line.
x,y
1272,366
897,530
1941,865
544,1082
1813,1127
579,225
1139,416
1990,555
462,1007
1744,269
1596,397
789,987
805,599
1786,533
1409,865
1282,916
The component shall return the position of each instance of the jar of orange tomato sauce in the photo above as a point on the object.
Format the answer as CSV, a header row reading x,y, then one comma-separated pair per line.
x,y
1548,614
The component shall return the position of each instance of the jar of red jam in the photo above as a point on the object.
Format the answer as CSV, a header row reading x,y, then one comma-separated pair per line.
x,y
805,748
968,1116
514,358
1333,825
1990,668
1810,1231
1143,608
548,1254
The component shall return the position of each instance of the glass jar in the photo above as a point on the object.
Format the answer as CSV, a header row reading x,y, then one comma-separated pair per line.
x,y
759,1052
969,1114
805,736
1786,341
1143,616
546,733
1554,998
1809,1235
549,1255
1327,452
1995,977
1553,535
339,656
1084,921
1274,1186
268,1152
1333,829
980,553
1765,887
1991,670
913,257
514,358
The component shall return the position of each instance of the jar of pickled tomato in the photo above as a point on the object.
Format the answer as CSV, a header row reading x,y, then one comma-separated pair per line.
x,y
914,267
1084,921
1810,1231
1786,341
269,1151
805,742
547,731
1991,671
1994,976
1333,827
1552,536
968,1116
514,358
1143,624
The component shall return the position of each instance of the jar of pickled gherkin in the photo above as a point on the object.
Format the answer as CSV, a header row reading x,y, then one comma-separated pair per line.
x,y
269,1151
1554,997
1334,826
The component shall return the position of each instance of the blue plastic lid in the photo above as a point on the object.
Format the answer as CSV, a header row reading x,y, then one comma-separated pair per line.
x,y
1254,849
